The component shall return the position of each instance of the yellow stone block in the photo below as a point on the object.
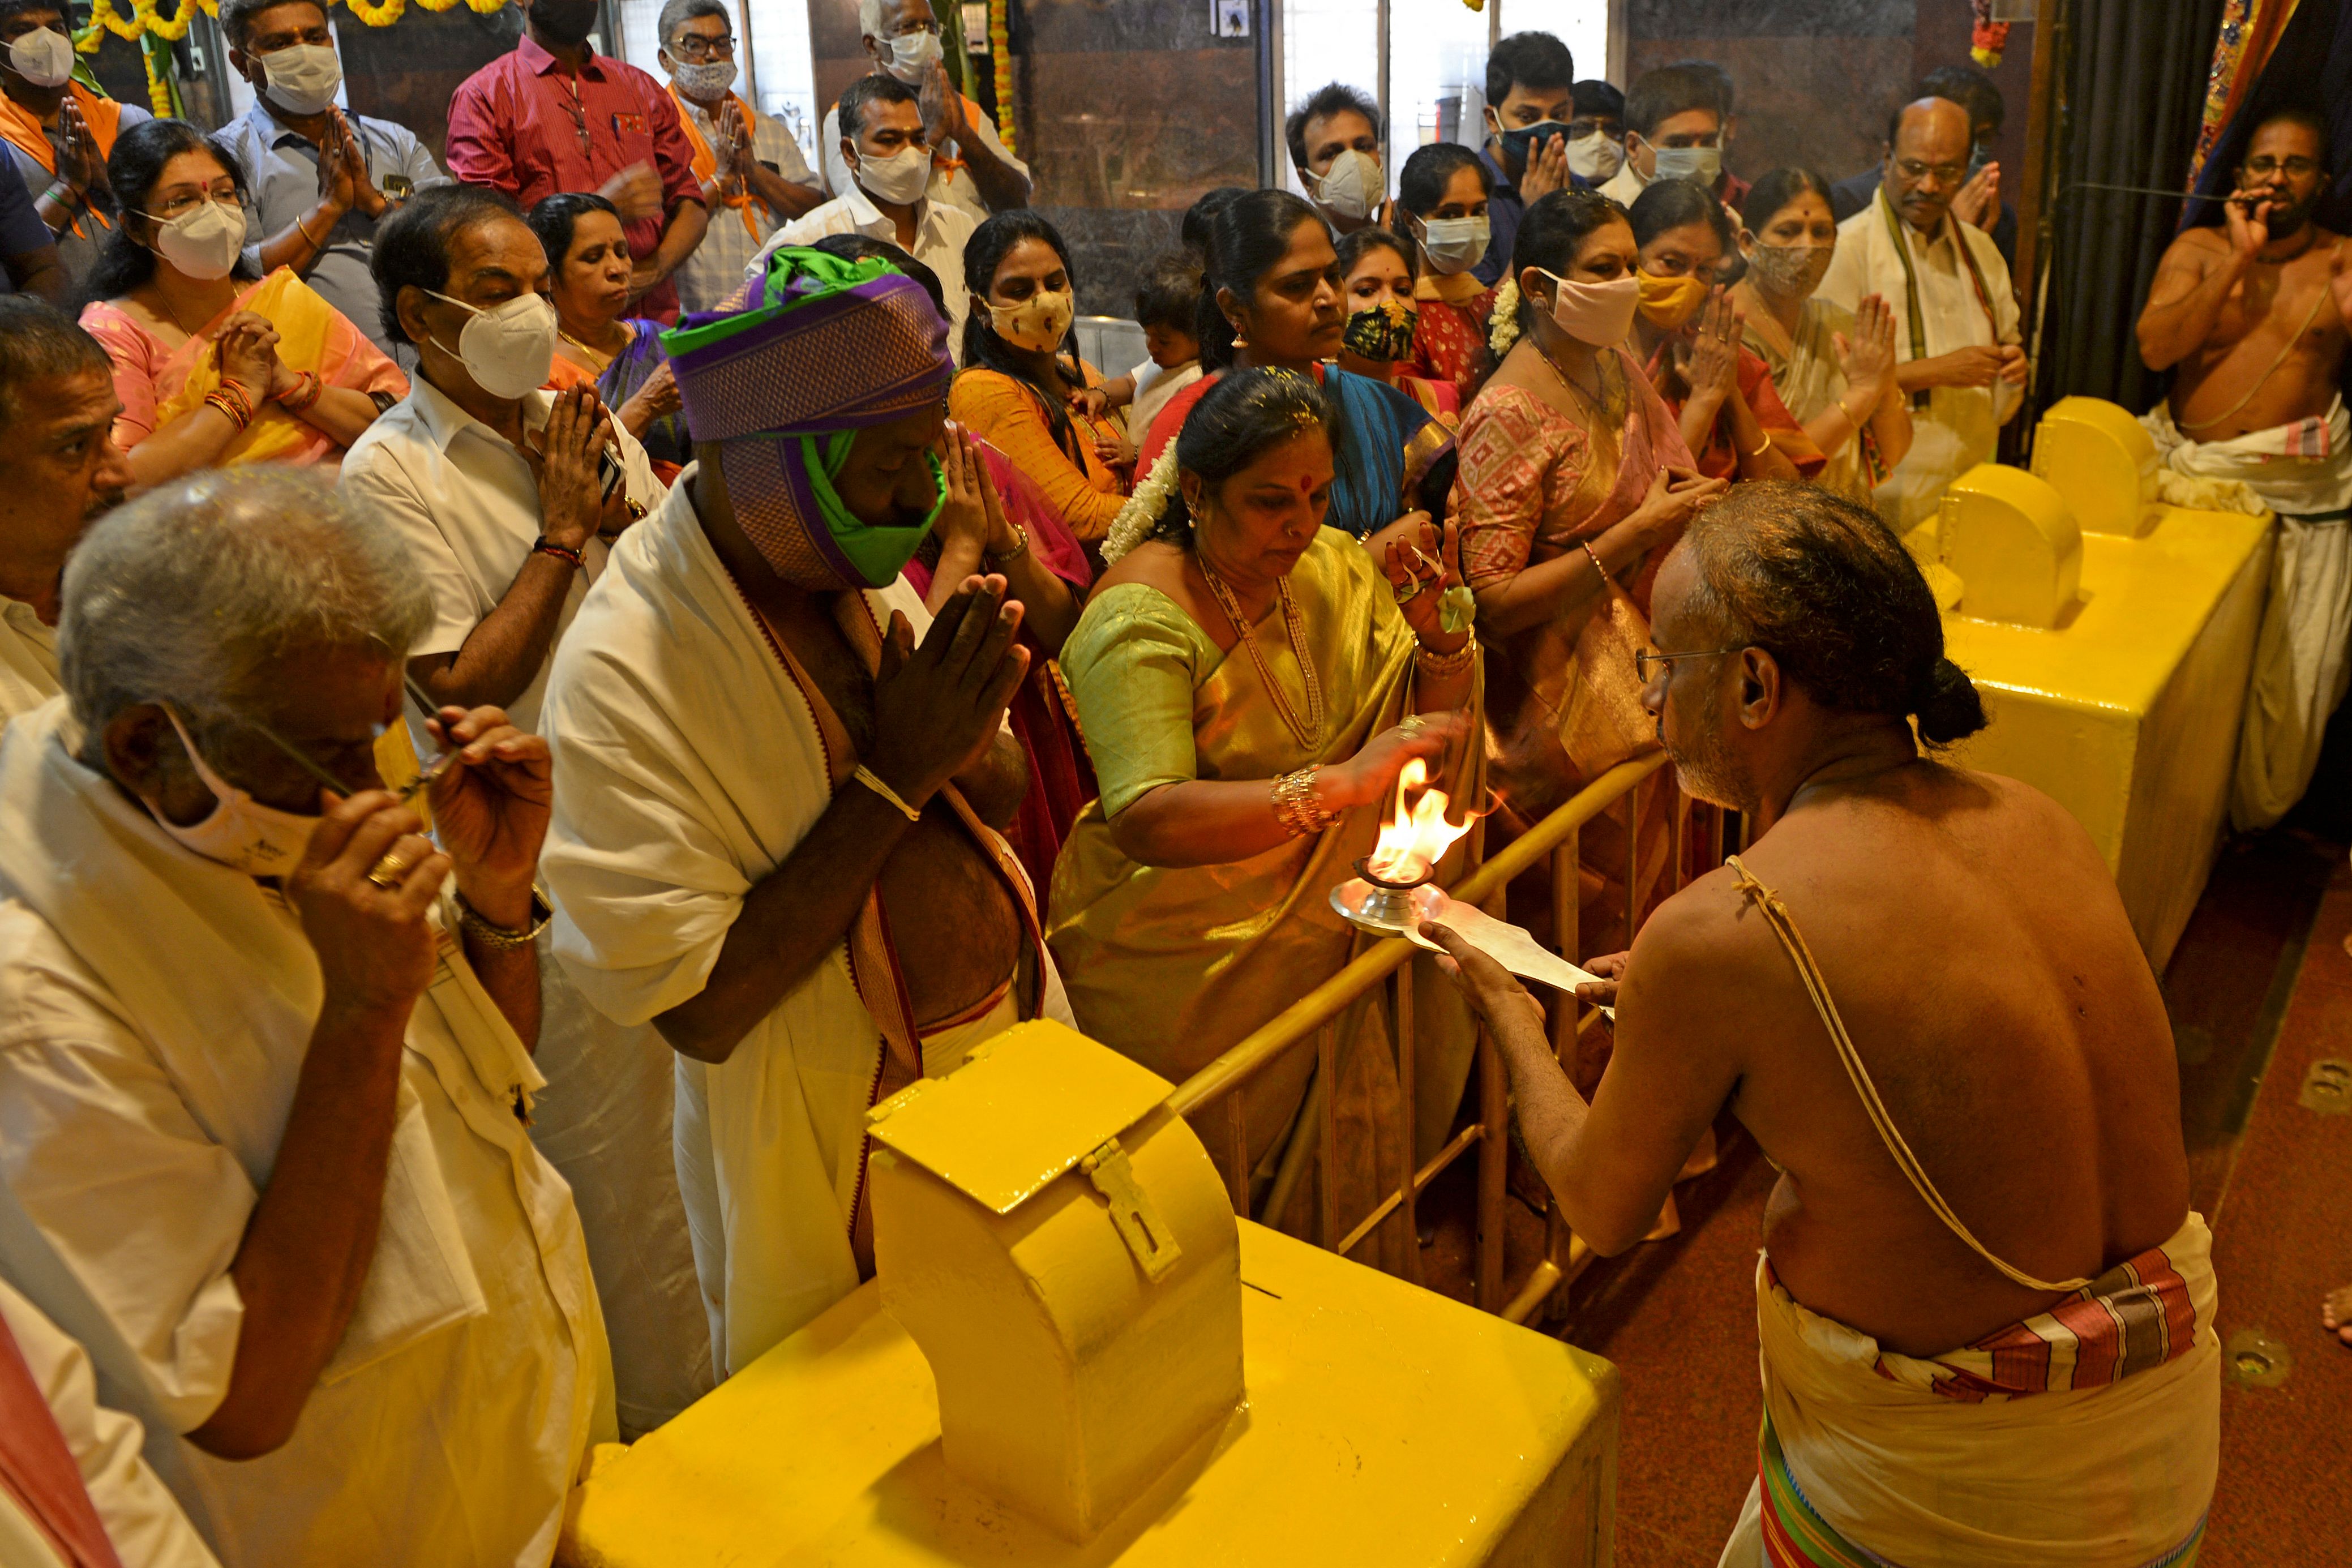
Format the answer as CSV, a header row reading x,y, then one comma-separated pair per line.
x,y
2128,713
1384,1423
2103,461
2011,540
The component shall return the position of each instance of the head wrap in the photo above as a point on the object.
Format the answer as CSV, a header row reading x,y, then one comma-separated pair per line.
x,y
784,375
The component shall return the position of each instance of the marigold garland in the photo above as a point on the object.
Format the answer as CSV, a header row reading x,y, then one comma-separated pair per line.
x,y
1000,62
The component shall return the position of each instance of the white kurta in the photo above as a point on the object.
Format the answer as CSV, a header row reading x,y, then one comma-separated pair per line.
x,y
144,1523
951,182
1961,427
941,232
28,659
159,1006
687,766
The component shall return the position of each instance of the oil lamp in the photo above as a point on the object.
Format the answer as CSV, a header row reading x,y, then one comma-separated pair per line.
x,y
1391,893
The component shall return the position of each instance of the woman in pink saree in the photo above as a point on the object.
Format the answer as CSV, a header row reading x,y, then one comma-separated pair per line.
x,y
1574,482
212,368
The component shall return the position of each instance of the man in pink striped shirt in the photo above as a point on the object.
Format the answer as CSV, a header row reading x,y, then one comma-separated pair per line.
x,y
555,115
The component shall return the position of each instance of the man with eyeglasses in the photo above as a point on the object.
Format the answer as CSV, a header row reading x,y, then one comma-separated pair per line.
x,y
555,115
60,132
320,180
753,176
1956,332
2249,312
270,1056
1986,1312
972,169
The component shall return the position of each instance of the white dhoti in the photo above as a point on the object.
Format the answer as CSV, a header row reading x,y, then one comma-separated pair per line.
x,y
2302,665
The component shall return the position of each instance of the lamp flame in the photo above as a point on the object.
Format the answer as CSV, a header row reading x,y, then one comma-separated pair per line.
x,y
1416,838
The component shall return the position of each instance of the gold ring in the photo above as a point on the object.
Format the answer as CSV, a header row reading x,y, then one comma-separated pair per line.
x,y
388,871
1414,724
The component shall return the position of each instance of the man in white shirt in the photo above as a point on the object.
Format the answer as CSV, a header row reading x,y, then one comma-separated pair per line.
x,y
886,196
268,1065
775,813
56,421
1956,334
753,176
507,498
1673,131
972,169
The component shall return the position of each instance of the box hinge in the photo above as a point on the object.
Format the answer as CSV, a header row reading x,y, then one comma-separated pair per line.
x,y
1138,1223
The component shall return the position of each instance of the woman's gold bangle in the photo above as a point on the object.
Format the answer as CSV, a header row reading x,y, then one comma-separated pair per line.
x,y
1453,663
1764,448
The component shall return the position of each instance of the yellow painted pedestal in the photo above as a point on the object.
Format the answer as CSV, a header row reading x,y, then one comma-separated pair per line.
x,y
1384,1423
2128,711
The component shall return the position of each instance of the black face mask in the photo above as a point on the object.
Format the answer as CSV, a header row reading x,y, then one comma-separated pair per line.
x,y
566,21
1520,146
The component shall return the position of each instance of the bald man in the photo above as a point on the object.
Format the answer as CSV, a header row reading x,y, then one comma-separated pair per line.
x,y
1956,320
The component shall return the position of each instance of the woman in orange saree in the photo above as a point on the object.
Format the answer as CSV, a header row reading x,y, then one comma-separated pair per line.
x,y
212,368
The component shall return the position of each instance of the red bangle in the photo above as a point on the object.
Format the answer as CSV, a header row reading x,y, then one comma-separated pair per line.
x,y
560,552
308,389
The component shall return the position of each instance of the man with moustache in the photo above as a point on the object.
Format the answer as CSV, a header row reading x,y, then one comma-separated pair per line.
x,y
2250,315
1985,1308
555,115
58,409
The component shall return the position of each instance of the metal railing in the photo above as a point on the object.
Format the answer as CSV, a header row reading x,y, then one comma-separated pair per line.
x,y
1326,1013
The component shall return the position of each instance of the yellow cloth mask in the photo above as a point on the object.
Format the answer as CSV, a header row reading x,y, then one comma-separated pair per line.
x,y
1668,303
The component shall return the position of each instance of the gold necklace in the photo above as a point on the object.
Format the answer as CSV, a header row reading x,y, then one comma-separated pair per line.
x,y
1309,732
1596,398
600,356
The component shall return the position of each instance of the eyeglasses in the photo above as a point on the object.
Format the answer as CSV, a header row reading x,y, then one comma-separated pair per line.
x,y
188,201
2263,166
1915,170
919,25
1651,658
406,792
693,47
573,106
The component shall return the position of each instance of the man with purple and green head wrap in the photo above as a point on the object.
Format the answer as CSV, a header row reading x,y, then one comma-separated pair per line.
x,y
775,821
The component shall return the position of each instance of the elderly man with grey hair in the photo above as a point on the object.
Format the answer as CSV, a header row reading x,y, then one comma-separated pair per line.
x,y
973,170
267,1066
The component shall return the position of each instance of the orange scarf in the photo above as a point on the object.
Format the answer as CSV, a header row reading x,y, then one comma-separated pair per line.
x,y
706,161
102,115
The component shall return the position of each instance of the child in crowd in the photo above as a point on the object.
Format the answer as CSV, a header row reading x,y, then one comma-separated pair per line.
x,y
1164,306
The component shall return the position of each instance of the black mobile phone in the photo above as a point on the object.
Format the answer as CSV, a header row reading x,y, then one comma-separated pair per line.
x,y
609,470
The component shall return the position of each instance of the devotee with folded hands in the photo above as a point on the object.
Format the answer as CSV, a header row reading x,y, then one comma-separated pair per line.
x,y
267,1080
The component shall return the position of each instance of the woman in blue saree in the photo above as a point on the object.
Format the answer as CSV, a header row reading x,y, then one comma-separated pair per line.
x,y
1272,297
588,269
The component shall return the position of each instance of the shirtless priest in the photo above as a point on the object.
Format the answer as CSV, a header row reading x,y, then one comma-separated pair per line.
x,y
1987,1313
773,825
2251,311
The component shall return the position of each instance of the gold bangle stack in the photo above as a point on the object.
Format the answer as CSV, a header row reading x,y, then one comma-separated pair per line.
x,y
1455,663
1294,805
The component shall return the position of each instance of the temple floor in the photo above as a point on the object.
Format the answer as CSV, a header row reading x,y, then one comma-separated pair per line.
x,y
2259,988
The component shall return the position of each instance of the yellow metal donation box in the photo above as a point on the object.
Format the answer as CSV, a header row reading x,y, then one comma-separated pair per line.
x,y
1072,1353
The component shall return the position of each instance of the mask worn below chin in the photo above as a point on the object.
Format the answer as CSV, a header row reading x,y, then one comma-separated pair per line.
x,y
1351,186
1596,157
900,179
508,349
302,78
1455,245
704,82
1519,143
1699,163
240,833
1791,271
1038,323
203,242
912,56
1381,333
43,57
1667,302
1598,314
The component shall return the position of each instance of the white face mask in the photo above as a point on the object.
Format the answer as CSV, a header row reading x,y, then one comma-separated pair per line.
x,y
302,78
1699,164
913,56
1596,157
1453,245
1351,187
507,349
704,82
240,833
203,242
43,57
900,179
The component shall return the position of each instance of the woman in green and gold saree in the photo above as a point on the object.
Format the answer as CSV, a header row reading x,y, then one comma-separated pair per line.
x,y
1249,684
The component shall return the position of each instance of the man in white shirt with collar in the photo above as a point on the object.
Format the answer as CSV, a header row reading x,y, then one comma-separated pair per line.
x,y
267,1059
886,196
1956,331
971,168
507,498
56,416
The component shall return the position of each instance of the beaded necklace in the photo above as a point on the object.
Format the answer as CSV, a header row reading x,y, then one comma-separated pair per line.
x,y
1310,732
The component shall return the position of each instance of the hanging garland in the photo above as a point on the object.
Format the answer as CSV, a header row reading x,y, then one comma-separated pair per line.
x,y
1000,58
147,19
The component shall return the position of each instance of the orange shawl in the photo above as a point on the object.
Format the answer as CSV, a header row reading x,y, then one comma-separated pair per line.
x,y
102,115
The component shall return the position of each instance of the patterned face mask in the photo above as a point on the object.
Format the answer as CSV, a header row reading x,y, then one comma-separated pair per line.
x,y
1382,333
